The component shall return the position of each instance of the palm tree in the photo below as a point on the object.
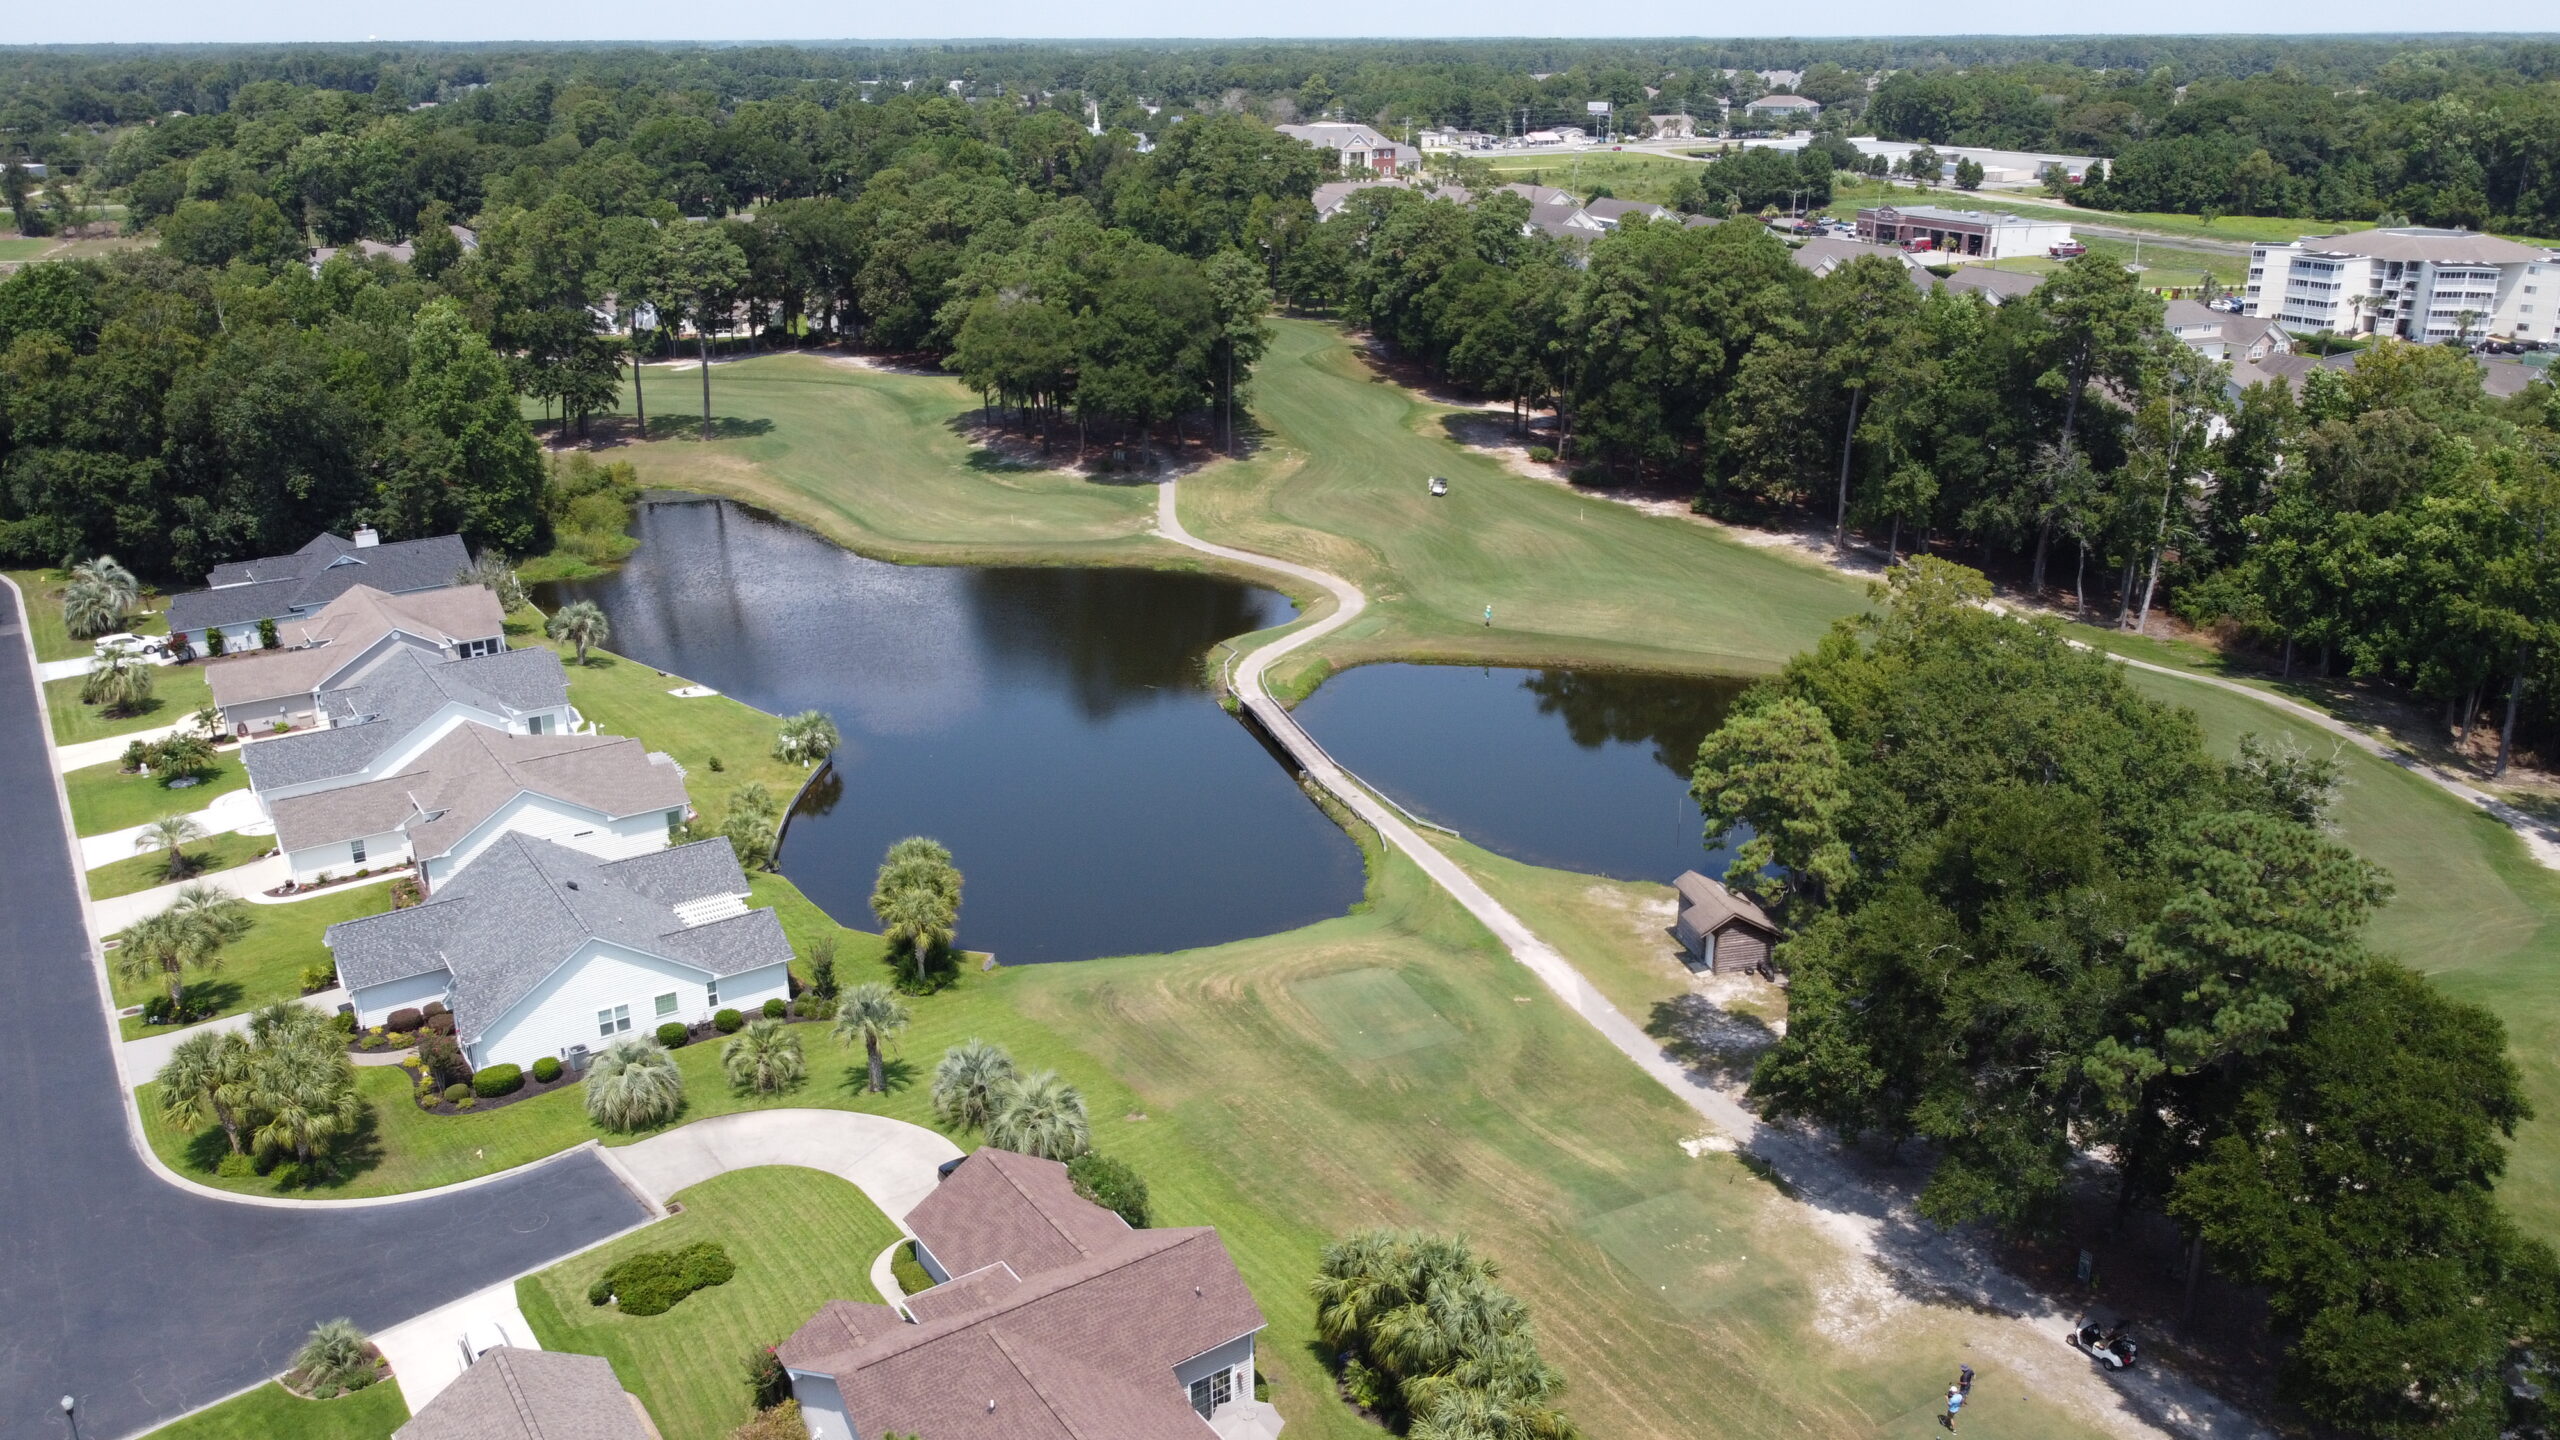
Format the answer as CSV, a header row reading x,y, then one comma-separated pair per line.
x,y
166,946
493,571
119,683
173,834
764,1057
287,1025
633,1084
917,898
965,1083
871,1013
1040,1114
223,916
806,739
580,623
99,596
1360,1277
207,1078
335,1352
304,1090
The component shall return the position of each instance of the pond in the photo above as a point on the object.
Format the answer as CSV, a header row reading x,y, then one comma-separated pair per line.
x,y
1049,725
1573,769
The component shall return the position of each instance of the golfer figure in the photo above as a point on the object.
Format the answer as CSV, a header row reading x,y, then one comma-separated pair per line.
x,y
1955,1406
1964,1379
1488,617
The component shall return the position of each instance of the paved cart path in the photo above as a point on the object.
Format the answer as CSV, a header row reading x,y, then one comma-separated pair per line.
x,y
144,1300
1841,1202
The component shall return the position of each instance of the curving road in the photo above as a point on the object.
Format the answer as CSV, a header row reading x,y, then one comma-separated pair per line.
x,y
144,1300
1839,1200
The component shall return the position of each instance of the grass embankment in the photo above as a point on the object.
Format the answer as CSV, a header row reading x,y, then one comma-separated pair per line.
x,y
270,1412
177,691
800,1238
1341,484
266,964
879,461
151,869
1388,1067
104,798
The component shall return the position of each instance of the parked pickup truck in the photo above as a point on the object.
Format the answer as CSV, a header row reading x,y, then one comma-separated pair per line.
x,y
2067,250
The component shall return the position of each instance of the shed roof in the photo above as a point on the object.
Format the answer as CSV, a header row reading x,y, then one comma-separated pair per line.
x,y
1711,906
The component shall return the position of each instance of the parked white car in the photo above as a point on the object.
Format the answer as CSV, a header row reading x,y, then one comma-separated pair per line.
x,y
480,1339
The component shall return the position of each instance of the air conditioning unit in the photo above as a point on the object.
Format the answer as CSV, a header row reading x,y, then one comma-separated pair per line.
x,y
577,1058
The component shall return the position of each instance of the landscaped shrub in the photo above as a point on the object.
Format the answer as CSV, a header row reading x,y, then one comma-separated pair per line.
x,y
442,1058
907,1270
289,1176
768,1384
456,1094
652,1281
727,1022
1112,1185
673,1034
491,1081
234,1167
814,1006
1541,454
466,1102
318,977
136,755
403,1020
633,1084
440,1024
775,1009
779,1422
547,1069
434,1008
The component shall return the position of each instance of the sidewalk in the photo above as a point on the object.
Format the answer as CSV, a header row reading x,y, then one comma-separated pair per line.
x,y
144,1057
67,758
106,917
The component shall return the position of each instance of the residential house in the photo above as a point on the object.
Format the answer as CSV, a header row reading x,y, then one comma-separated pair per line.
x,y
1670,127
2224,335
263,689
2408,281
1609,214
1783,107
1826,253
279,587
400,703
598,794
1725,930
401,254
512,1394
1357,148
1997,286
1971,234
1052,1319
1333,196
540,950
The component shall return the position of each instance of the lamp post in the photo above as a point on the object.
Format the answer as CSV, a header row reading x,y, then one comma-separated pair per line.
x,y
69,1418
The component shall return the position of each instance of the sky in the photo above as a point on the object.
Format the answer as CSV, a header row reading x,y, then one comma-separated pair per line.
x,y
176,21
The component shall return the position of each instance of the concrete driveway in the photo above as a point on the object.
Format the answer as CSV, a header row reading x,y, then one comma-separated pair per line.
x,y
892,1161
140,1298
426,1353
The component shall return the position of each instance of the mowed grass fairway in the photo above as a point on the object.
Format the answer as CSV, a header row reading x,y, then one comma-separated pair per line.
x,y
800,1238
1342,485
875,460
270,1412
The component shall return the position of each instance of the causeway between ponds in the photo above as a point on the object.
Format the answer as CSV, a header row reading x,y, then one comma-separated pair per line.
x,y
1870,1220
143,1300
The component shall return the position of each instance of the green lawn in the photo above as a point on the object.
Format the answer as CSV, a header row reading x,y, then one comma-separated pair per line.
x,y
1849,195
266,964
1247,1084
43,592
177,691
625,697
800,1238
1571,577
104,798
271,1413
15,249
874,459
144,871
1628,174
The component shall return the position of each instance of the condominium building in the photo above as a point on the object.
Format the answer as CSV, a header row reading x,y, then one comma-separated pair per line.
x,y
2415,283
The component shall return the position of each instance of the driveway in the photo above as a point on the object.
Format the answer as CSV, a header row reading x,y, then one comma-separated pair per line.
x,y
145,1300
896,1163
426,1353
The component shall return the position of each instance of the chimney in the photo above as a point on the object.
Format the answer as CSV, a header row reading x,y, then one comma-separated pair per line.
x,y
367,537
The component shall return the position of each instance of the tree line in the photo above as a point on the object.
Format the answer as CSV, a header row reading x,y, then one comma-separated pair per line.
x,y
2030,919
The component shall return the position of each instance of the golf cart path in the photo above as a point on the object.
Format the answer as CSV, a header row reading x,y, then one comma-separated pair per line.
x,y
1879,1227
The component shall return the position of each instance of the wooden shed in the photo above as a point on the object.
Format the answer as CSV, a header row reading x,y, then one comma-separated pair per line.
x,y
1726,932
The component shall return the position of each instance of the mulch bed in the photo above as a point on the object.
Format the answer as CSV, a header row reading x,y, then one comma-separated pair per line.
x,y
481,1104
333,882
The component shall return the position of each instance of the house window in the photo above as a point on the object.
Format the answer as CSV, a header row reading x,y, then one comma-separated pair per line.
x,y
1211,1391
613,1020
355,851
666,1005
537,724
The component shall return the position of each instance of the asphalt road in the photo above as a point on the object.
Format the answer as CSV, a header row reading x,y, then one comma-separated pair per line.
x,y
142,1300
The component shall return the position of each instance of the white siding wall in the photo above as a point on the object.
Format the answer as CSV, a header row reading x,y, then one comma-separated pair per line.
x,y
821,1406
561,1011
339,858
373,1002
545,818
1236,1354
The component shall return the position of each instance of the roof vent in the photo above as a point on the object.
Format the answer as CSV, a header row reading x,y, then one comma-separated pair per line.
x,y
572,884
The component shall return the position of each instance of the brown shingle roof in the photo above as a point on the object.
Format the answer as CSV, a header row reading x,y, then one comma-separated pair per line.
x,y
1709,905
317,646
1002,1208
512,1394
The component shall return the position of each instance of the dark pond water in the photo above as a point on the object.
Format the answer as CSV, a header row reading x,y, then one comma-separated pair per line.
x,y
1046,724
1579,770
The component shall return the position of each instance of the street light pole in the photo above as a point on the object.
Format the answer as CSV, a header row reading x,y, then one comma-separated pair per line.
x,y
70,1419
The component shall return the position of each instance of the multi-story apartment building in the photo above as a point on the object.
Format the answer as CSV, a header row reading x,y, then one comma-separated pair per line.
x,y
2415,283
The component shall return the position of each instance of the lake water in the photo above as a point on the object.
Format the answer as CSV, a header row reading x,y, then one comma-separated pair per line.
x,y
1578,770
1049,725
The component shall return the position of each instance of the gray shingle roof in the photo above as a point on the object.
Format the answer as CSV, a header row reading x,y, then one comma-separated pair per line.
x,y
471,774
392,697
526,905
513,1394
281,585
315,647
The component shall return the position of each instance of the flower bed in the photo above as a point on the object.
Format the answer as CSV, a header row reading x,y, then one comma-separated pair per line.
x,y
328,881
